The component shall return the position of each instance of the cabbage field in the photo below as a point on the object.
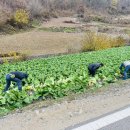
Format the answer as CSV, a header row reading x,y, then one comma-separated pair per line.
x,y
59,76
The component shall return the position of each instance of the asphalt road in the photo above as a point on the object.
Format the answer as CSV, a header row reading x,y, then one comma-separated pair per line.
x,y
117,120
123,124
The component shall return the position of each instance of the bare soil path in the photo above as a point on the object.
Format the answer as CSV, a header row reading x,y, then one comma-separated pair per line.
x,y
60,22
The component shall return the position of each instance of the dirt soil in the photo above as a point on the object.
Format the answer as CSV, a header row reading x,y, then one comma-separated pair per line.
x,y
60,22
39,42
69,111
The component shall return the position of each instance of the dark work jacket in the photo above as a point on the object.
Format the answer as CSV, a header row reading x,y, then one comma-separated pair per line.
x,y
94,66
19,75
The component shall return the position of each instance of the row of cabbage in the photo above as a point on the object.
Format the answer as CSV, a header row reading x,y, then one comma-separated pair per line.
x,y
59,76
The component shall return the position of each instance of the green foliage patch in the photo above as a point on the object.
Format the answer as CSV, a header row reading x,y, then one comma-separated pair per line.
x,y
59,76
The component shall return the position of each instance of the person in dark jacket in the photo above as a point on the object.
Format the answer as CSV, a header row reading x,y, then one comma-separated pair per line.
x,y
126,66
92,68
15,77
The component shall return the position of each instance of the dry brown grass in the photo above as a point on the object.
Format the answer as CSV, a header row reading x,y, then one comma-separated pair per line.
x,y
35,43
97,41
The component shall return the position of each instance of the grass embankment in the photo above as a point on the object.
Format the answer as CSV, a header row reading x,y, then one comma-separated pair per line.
x,y
59,76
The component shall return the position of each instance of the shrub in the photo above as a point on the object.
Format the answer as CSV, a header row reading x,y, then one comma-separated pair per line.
x,y
12,57
46,14
93,42
117,42
23,57
21,18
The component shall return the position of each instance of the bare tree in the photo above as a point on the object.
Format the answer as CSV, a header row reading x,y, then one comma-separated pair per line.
x,y
35,8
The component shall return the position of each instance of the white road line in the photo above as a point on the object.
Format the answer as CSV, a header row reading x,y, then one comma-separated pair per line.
x,y
105,121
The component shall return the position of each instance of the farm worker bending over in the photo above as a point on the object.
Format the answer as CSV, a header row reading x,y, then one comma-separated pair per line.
x,y
92,68
15,77
126,66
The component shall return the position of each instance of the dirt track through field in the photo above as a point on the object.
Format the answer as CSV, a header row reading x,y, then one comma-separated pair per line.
x,y
60,22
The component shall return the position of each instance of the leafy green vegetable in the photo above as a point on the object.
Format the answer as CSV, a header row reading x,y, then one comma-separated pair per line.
x,y
58,76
